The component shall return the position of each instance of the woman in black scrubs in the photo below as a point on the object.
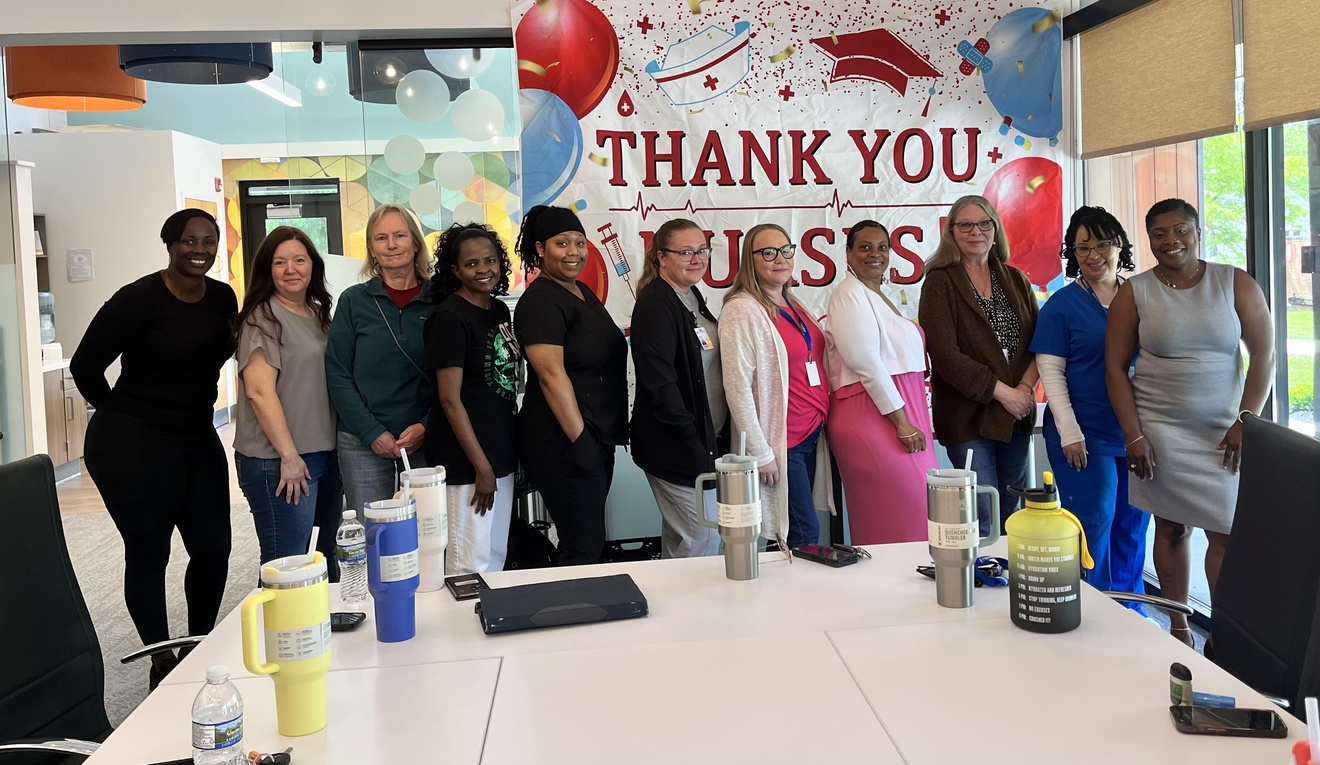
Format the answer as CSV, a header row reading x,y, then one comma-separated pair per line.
x,y
575,411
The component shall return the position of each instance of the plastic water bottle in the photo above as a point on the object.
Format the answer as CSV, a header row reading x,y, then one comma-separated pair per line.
x,y
217,721
351,550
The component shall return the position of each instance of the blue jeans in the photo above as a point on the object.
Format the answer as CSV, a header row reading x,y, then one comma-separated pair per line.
x,y
996,463
284,528
367,476
803,523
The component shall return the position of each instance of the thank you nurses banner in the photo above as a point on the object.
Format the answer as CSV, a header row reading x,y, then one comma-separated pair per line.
x,y
812,115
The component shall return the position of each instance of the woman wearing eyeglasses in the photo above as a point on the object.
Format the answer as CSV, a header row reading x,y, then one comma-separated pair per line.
x,y
879,424
679,412
979,315
1082,436
773,355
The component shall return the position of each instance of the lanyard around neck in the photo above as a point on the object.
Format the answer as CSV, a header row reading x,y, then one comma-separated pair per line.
x,y
799,322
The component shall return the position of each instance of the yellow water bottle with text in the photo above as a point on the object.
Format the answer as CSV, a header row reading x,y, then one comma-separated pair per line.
x,y
295,601
1046,552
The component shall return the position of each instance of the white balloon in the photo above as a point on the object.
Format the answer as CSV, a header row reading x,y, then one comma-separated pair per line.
x,y
422,96
424,199
404,154
453,170
478,115
469,212
461,63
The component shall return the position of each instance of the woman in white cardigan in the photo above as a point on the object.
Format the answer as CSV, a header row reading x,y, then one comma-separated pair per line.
x,y
772,354
879,421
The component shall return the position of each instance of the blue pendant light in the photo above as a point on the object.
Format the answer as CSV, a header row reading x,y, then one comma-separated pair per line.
x,y
198,64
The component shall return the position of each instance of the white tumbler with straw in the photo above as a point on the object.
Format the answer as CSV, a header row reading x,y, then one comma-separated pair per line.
x,y
426,486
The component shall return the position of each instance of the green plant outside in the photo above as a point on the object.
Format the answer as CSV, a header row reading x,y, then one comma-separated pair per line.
x,y
1301,384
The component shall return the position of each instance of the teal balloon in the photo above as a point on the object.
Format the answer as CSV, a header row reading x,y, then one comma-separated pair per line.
x,y
551,146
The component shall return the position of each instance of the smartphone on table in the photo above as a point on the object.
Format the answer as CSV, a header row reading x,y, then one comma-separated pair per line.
x,y
1214,721
830,556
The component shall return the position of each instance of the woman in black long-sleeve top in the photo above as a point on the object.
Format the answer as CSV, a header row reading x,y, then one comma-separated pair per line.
x,y
576,409
680,409
151,447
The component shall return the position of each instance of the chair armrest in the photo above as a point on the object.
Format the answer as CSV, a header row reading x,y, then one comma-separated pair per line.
x,y
1154,600
161,647
60,745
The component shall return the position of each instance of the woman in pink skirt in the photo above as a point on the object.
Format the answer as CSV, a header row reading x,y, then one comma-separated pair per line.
x,y
879,425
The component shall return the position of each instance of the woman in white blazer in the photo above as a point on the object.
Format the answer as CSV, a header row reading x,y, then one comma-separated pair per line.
x,y
879,421
772,355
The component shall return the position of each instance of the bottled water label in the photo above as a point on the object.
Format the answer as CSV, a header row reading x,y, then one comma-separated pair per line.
x,y
953,536
299,644
739,516
396,568
352,553
222,735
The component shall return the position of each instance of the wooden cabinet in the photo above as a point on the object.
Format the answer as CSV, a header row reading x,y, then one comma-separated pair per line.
x,y
66,419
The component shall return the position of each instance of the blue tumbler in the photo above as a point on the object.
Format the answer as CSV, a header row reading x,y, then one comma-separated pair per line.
x,y
393,567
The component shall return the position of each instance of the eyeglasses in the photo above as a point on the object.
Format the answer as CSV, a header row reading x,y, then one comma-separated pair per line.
x,y
966,226
688,254
1101,248
771,253
209,242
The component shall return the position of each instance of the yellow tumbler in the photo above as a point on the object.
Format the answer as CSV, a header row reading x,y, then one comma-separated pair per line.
x,y
295,600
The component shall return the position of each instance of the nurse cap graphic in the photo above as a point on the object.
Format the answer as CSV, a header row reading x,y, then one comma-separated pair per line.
x,y
704,66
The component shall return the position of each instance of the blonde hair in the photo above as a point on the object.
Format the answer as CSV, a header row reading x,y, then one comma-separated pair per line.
x,y
663,237
948,254
747,281
421,259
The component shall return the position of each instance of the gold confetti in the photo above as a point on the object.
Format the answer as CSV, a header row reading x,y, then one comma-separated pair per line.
x,y
542,3
770,24
555,136
1028,118
833,37
695,7
827,85
1035,184
1045,23
598,160
783,54
629,70
552,64
742,93
531,66
970,183
696,111
1021,68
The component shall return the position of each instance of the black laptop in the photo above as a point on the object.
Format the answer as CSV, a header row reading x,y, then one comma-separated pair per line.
x,y
550,604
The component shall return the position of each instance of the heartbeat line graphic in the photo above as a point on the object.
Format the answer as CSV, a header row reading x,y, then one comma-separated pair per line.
x,y
838,205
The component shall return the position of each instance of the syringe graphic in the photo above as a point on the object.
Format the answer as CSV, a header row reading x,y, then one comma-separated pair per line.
x,y
610,241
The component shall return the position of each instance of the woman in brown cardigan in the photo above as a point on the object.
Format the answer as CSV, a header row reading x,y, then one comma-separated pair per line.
x,y
979,313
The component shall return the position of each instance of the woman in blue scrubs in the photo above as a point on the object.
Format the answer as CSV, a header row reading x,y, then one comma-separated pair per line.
x,y
1082,436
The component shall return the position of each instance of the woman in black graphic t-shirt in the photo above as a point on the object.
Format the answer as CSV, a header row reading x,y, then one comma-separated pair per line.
x,y
472,353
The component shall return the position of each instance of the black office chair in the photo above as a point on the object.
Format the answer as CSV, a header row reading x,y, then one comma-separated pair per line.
x,y
1266,620
52,680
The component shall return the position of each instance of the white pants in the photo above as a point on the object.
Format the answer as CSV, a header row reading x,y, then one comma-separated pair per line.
x,y
681,535
478,543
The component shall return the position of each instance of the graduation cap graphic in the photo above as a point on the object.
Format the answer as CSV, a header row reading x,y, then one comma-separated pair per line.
x,y
877,55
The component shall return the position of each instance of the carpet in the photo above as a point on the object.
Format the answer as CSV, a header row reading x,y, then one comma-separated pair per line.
x,y
97,553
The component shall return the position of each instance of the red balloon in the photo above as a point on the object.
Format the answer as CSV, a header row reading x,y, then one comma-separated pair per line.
x,y
1028,194
569,48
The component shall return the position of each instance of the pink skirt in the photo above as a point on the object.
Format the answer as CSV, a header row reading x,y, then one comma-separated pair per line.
x,y
884,486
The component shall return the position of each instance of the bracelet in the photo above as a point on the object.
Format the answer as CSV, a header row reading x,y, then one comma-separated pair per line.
x,y
909,435
1243,413
1133,441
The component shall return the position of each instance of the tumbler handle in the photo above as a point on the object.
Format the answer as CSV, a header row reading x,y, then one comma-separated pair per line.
x,y
248,622
994,515
701,505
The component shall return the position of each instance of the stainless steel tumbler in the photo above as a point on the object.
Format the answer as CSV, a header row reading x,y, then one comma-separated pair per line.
x,y
738,497
954,532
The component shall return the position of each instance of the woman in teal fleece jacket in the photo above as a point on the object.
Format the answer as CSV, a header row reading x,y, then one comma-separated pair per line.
x,y
374,358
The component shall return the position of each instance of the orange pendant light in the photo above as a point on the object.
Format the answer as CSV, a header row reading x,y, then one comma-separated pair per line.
x,y
76,78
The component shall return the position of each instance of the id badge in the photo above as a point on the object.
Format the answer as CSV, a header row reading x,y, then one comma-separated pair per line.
x,y
813,374
703,337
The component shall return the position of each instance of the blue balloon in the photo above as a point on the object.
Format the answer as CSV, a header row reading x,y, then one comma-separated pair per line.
x,y
551,146
1026,81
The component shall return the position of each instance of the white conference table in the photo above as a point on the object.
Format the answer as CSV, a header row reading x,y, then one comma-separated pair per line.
x,y
804,664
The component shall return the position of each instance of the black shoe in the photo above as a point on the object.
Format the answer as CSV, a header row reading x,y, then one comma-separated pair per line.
x,y
159,672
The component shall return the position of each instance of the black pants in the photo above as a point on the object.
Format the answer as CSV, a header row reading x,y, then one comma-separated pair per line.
x,y
153,480
573,478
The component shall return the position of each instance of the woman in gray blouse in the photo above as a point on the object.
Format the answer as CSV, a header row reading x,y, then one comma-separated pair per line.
x,y
284,440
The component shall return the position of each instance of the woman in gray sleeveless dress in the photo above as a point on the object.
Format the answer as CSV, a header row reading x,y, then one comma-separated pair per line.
x,y
1180,409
